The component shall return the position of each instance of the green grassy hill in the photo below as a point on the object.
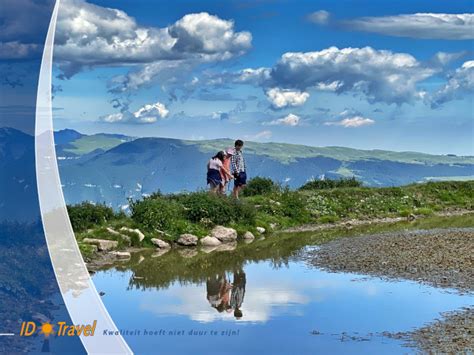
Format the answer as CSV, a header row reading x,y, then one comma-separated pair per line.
x,y
287,153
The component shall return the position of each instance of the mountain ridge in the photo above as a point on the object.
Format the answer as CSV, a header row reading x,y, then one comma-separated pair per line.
x,y
111,169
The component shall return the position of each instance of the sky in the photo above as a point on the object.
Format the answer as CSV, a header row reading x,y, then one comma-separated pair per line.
x,y
362,74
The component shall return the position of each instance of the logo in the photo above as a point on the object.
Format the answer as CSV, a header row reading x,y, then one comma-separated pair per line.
x,y
59,329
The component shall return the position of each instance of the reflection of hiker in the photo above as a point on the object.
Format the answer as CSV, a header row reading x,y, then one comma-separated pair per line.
x,y
238,168
213,286
225,173
214,168
238,293
218,289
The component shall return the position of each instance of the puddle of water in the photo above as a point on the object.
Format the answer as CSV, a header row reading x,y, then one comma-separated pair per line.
x,y
261,298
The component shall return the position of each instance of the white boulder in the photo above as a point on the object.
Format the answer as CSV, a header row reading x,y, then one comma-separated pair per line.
x,y
224,234
210,241
187,239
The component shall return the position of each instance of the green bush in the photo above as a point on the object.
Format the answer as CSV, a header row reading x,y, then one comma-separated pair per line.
x,y
156,212
260,186
293,205
203,207
87,215
331,184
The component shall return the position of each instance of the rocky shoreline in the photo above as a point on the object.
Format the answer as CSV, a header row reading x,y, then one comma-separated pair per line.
x,y
439,258
452,334
220,239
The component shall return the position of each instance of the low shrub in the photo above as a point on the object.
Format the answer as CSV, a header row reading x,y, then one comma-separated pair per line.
x,y
156,213
87,215
293,205
260,186
331,184
206,208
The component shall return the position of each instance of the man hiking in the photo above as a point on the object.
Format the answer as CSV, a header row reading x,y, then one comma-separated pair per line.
x,y
238,168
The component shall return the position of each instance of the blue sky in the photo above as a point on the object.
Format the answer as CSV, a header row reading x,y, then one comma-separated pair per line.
x,y
363,74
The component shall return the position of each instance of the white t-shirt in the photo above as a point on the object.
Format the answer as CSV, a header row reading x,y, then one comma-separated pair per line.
x,y
215,164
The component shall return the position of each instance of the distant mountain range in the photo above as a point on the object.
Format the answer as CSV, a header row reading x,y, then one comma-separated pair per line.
x,y
111,168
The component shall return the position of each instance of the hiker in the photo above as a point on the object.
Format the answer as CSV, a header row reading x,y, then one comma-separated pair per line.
x,y
214,168
238,168
238,292
225,173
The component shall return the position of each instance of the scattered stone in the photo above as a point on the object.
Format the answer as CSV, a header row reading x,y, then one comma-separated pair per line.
x,y
224,234
121,254
125,238
140,260
160,243
210,241
187,240
440,258
248,241
273,225
188,253
112,231
137,231
249,236
160,252
453,334
102,244
261,230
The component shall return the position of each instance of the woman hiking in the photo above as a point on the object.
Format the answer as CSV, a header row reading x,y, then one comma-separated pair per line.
x,y
214,168
225,172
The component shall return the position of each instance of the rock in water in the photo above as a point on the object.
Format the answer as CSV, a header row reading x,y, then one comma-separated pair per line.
x,y
187,240
210,241
121,254
102,244
249,236
224,234
261,230
137,231
160,243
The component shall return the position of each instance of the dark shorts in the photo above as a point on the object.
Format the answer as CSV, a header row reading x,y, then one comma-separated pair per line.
x,y
214,177
241,180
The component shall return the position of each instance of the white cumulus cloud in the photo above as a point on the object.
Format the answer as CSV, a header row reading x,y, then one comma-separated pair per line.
x,y
419,25
377,75
89,35
352,122
380,75
149,113
459,85
289,120
281,98
320,17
